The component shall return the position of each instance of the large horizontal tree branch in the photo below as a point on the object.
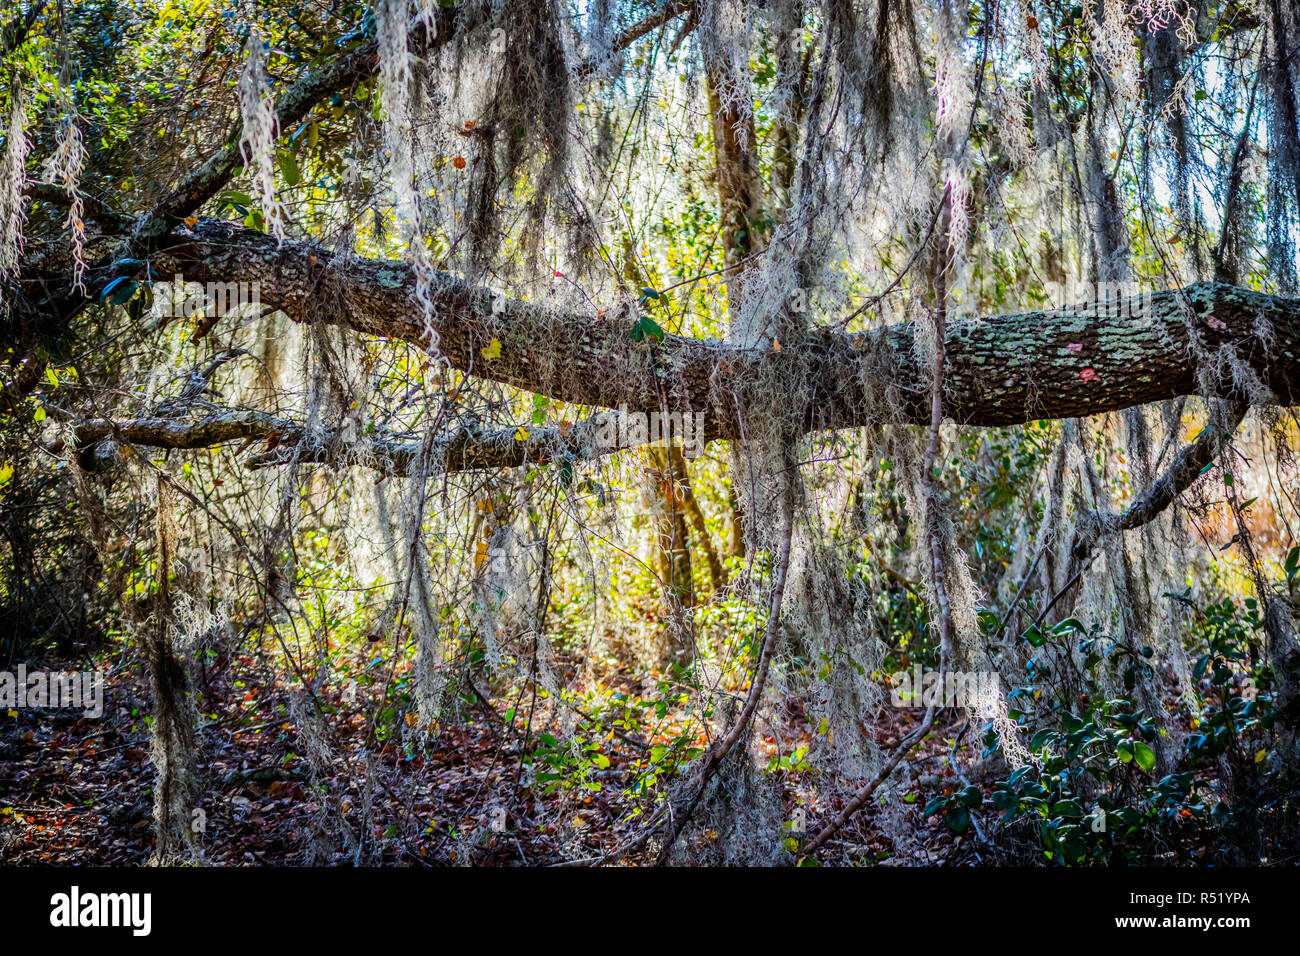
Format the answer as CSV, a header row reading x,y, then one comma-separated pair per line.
x,y
1002,370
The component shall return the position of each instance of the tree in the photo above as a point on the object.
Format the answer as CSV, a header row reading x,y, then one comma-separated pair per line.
x,y
488,222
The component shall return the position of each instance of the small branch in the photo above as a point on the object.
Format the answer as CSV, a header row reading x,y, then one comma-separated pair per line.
x,y
25,376
740,728
667,12
14,33
293,106
864,793
1186,467
97,210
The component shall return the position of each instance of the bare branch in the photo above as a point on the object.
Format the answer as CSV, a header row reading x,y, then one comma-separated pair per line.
x,y
465,448
1188,465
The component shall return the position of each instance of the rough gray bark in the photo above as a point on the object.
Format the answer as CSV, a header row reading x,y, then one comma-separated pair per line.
x,y
1002,370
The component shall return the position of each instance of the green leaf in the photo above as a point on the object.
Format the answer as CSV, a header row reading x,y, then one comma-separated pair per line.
x,y
958,819
1144,756
1198,671
647,328
1066,808
652,329
289,168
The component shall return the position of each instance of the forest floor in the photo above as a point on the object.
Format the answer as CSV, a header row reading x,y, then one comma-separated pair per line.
x,y
75,790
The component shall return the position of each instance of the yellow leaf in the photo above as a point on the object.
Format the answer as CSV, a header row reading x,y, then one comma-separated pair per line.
x,y
493,349
1260,757
191,221
40,414
521,433
776,344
